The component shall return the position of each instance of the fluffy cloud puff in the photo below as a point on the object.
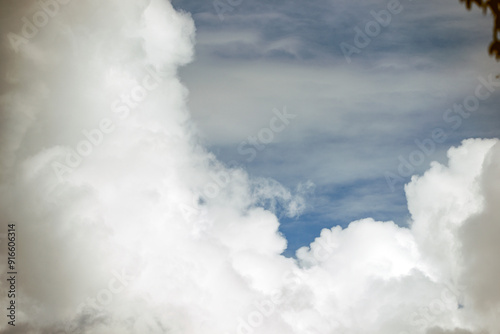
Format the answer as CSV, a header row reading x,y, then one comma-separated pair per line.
x,y
125,224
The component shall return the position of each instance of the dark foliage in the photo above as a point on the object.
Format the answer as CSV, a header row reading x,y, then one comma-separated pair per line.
x,y
494,7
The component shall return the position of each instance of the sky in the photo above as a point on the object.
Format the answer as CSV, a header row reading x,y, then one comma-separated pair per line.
x,y
240,167
355,113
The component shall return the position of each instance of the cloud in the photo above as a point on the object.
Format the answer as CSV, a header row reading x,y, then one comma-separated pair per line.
x,y
479,234
441,331
126,224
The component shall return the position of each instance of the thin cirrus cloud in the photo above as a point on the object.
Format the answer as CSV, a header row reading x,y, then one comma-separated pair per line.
x,y
150,233
354,120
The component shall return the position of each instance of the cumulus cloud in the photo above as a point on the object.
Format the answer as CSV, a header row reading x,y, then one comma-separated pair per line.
x,y
125,224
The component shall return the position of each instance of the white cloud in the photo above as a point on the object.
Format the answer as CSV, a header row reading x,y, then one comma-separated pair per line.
x,y
124,243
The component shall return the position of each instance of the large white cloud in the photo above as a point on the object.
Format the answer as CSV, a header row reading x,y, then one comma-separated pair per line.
x,y
126,225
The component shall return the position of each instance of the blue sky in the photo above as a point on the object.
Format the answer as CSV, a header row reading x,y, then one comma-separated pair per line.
x,y
353,120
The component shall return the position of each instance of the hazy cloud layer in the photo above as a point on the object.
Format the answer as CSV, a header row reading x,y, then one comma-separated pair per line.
x,y
354,120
